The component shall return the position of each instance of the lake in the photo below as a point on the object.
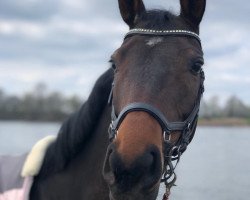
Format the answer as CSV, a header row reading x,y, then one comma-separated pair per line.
x,y
215,166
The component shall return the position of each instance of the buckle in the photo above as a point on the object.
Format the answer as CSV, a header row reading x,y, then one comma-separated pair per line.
x,y
166,136
188,127
112,131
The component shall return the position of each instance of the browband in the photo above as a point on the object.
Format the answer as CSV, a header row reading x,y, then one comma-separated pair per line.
x,y
163,33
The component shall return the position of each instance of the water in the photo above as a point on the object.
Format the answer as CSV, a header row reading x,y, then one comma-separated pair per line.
x,y
18,137
215,166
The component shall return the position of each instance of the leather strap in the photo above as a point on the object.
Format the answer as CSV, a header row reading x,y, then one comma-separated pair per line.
x,y
183,33
154,112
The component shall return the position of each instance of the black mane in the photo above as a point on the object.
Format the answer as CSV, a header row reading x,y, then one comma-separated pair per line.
x,y
161,20
76,131
156,19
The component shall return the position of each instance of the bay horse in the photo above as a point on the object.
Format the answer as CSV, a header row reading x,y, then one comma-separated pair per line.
x,y
140,116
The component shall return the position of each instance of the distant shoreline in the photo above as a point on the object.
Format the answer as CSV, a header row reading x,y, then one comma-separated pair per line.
x,y
242,122
213,122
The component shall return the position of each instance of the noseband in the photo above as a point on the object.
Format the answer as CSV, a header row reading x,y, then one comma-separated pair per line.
x,y
172,152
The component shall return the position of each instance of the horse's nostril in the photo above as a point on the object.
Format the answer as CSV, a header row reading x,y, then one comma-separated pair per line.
x,y
144,171
155,169
107,171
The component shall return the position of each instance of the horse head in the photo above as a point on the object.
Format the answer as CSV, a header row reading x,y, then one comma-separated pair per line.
x,y
158,84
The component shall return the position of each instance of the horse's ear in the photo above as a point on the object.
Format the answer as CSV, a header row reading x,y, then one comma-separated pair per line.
x,y
193,10
130,9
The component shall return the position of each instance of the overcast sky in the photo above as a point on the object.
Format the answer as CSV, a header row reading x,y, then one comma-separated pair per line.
x,y
67,44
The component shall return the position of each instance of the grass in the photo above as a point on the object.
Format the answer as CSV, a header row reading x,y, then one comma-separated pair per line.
x,y
224,122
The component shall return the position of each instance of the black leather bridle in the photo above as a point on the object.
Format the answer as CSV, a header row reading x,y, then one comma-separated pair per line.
x,y
172,152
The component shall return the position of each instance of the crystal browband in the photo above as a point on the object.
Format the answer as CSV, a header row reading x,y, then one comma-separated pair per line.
x,y
162,32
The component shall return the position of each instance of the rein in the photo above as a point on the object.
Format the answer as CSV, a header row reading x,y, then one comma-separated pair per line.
x,y
172,152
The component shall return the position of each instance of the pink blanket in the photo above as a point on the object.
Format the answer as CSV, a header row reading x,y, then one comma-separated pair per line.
x,y
12,185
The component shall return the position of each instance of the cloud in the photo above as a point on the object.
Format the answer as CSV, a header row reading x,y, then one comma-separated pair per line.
x,y
21,28
70,79
229,11
28,9
67,43
59,42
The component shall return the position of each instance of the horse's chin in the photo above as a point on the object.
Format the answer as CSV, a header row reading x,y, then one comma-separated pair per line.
x,y
135,195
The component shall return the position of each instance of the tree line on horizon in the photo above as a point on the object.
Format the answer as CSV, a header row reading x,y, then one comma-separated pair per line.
x,y
41,105
233,108
38,105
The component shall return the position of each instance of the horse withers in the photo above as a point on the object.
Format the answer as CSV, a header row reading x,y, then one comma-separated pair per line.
x,y
124,149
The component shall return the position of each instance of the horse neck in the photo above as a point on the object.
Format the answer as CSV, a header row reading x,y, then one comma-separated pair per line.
x,y
82,178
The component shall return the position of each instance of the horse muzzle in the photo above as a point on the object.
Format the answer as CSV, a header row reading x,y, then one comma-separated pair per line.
x,y
137,180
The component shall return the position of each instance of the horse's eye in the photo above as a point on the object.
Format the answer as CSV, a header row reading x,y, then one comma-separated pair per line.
x,y
112,64
196,67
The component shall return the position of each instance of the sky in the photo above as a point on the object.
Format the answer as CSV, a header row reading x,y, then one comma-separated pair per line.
x,y
67,44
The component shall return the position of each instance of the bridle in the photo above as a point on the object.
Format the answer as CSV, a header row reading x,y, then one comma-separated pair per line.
x,y
172,152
